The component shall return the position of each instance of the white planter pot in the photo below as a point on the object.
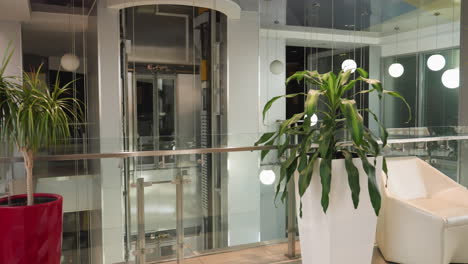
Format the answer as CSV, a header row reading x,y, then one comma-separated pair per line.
x,y
343,234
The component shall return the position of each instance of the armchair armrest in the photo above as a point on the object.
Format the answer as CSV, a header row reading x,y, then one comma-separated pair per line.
x,y
410,233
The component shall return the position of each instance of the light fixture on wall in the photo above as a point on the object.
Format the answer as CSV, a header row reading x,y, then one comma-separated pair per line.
x,y
396,69
276,67
436,62
451,78
349,65
267,177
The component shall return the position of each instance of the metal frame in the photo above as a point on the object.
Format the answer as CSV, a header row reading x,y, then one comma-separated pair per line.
x,y
129,154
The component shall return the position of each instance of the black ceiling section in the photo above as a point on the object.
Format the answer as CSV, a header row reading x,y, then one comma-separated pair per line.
x,y
60,6
76,3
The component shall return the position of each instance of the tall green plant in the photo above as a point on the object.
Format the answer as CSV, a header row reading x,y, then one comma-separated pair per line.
x,y
341,133
33,115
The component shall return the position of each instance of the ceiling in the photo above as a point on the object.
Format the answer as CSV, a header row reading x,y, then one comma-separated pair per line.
x,y
371,15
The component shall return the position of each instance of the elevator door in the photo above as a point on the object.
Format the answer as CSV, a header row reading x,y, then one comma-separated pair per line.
x,y
175,61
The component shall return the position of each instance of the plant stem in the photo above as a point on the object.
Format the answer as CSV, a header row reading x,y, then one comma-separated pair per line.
x,y
28,165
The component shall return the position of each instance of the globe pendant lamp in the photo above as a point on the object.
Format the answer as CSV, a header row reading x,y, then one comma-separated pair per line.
x,y
451,78
349,65
70,62
436,62
396,69
267,177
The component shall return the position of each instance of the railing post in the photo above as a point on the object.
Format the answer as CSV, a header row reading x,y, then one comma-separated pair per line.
x,y
180,216
291,221
140,246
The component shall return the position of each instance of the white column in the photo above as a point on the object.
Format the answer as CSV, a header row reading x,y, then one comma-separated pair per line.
x,y
463,94
243,125
110,133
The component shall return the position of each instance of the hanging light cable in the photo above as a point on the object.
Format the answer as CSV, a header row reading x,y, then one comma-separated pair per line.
x,y
436,62
396,70
277,66
451,77
69,61
350,64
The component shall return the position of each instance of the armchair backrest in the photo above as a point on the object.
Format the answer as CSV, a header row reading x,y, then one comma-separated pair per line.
x,y
412,178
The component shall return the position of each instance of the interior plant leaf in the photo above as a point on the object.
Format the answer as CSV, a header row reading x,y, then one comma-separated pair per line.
x,y
34,115
372,185
310,105
325,178
399,96
264,138
265,152
383,130
340,120
353,119
353,177
362,72
305,175
276,98
289,174
284,169
385,169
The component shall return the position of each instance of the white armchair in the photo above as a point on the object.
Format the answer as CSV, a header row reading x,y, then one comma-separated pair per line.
x,y
424,216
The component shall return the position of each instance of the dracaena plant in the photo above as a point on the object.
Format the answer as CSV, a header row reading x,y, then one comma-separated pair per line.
x,y
34,115
341,133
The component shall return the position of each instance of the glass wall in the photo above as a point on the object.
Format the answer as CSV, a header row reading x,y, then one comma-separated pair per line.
x,y
433,103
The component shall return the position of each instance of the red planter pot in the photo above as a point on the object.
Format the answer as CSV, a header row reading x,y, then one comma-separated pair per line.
x,y
31,234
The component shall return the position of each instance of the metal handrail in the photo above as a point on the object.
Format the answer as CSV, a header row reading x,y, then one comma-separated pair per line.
x,y
155,153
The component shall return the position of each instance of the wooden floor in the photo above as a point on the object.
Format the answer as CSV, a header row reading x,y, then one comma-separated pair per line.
x,y
271,254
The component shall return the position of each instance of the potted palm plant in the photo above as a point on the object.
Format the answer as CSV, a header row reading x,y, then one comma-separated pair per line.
x,y
338,152
32,116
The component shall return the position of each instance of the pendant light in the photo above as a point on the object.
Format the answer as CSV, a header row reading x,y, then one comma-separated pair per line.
x,y
267,177
69,61
451,77
436,62
349,65
396,70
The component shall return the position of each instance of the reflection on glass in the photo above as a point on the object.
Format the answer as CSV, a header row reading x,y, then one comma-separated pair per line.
x,y
439,104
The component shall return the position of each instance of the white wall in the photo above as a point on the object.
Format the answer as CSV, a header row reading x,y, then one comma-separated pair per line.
x,y
110,133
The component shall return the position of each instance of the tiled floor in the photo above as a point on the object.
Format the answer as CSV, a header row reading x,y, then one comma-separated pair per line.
x,y
271,254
